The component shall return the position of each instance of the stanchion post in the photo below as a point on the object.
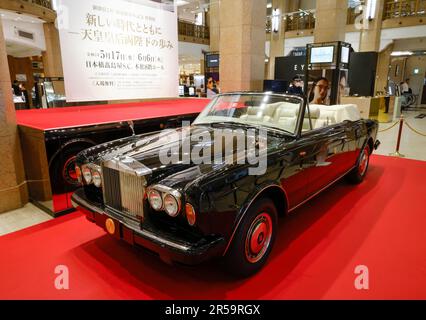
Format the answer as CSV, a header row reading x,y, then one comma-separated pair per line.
x,y
398,143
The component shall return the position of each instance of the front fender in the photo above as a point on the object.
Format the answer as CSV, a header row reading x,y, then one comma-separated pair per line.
x,y
261,190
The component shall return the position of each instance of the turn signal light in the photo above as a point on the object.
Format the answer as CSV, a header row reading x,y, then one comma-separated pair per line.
x,y
78,174
190,214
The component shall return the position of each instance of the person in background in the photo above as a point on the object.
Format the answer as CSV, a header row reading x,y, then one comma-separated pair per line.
x,y
24,92
405,86
211,91
16,90
296,87
319,91
217,87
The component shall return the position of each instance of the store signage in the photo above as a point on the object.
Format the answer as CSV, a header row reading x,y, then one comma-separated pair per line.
x,y
117,49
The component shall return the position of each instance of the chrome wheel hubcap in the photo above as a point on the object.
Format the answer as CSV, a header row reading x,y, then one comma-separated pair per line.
x,y
258,238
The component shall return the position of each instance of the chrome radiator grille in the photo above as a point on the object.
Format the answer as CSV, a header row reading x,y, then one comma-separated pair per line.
x,y
123,191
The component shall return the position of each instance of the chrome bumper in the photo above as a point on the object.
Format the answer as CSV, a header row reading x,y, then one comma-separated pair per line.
x,y
168,248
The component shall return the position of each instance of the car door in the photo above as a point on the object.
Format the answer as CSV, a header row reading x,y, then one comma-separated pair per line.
x,y
295,174
352,144
324,161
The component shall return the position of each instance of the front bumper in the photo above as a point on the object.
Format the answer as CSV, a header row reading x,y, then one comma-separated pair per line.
x,y
165,245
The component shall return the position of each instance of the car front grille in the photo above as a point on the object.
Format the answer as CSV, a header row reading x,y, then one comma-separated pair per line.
x,y
123,192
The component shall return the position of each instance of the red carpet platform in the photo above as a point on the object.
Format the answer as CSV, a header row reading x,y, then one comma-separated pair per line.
x,y
49,119
380,224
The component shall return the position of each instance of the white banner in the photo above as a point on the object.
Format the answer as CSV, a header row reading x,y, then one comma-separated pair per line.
x,y
117,50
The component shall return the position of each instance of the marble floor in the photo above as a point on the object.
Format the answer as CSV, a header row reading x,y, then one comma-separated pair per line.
x,y
413,146
22,218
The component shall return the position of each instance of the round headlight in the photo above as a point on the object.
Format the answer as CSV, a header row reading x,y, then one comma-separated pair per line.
x,y
155,200
97,179
87,174
190,214
171,205
78,173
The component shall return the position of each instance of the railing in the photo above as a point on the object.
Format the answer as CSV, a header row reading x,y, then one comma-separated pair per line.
x,y
44,3
404,8
299,21
192,30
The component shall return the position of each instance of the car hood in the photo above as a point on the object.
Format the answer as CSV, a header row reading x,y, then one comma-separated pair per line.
x,y
165,156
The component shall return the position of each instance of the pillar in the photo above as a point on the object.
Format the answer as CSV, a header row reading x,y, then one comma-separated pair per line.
x,y
52,56
242,44
214,25
330,22
13,190
371,31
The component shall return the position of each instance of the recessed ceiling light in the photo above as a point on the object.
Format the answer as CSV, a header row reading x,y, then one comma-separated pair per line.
x,y
402,53
269,5
181,3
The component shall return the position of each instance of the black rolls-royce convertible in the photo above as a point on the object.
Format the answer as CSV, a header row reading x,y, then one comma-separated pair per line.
x,y
216,187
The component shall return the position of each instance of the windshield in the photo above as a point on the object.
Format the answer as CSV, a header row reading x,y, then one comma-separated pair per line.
x,y
269,110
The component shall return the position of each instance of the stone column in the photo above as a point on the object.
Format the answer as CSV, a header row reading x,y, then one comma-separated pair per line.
x,y
370,34
52,56
13,189
383,67
242,44
214,25
330,20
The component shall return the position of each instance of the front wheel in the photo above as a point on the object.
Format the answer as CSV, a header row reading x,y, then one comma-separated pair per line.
x,y
253,240
358,173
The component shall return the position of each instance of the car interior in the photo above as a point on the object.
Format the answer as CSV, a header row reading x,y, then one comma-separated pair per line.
x,y
284,115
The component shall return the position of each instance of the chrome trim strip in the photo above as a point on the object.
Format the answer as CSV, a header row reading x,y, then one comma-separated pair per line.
x,y
318,192
144,233
77,201
245,211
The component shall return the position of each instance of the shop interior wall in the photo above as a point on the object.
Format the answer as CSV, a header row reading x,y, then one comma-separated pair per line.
x,y
417,81
397,69
19,66
383,69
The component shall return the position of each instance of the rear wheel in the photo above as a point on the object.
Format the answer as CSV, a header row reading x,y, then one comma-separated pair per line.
x,y
253,240
357,174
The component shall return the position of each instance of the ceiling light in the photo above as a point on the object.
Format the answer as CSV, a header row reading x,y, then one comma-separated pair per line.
x,y
181,3
401,53
269,5
371,9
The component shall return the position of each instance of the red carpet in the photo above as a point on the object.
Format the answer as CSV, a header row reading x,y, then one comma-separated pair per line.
x,y
380,224
49,119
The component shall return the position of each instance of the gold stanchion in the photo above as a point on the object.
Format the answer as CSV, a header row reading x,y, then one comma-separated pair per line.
x,y
397,153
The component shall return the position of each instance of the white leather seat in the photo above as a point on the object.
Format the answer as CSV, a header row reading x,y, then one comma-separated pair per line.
x,y
330,115
315,114
285,118
253,114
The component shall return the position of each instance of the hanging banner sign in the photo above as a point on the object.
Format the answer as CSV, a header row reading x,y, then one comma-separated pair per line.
x,y
118,50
